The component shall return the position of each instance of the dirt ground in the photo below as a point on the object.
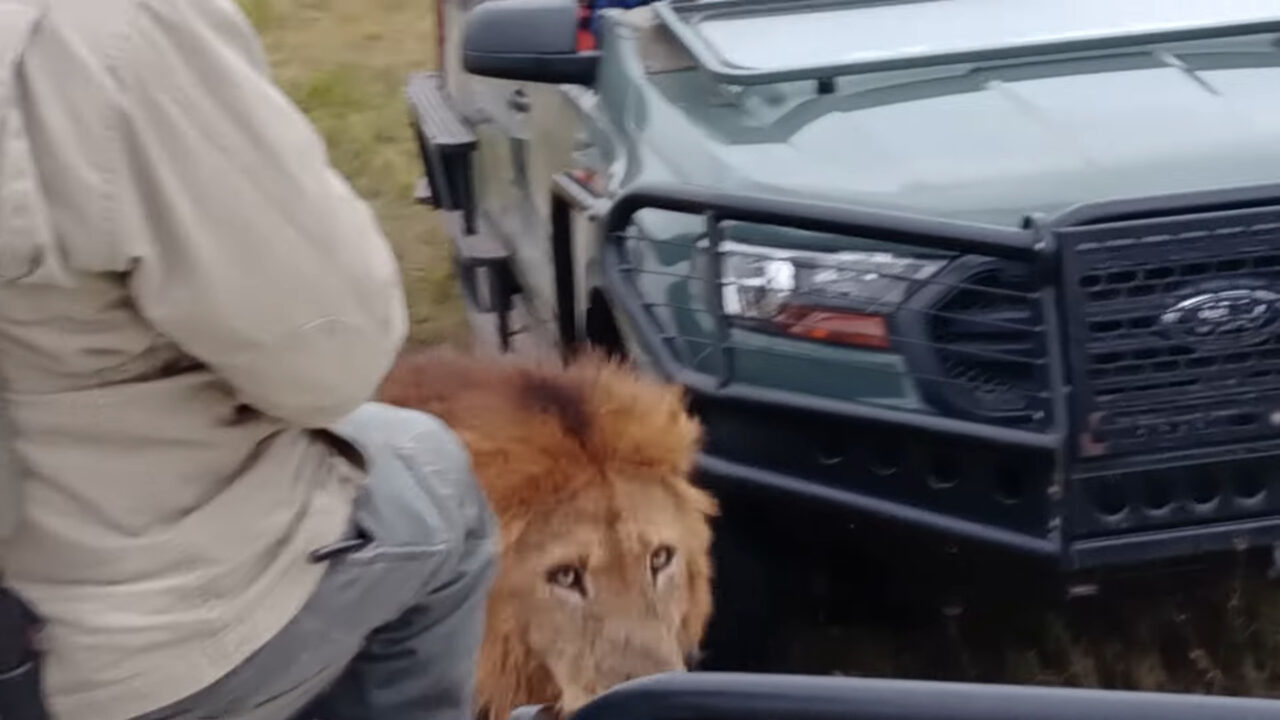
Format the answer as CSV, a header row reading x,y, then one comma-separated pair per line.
x,y
1218,637
344,62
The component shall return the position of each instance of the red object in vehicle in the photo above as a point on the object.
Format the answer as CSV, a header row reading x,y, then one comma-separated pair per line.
x,y
586,39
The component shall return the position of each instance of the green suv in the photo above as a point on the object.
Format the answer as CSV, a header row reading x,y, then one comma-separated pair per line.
x,y
1001,274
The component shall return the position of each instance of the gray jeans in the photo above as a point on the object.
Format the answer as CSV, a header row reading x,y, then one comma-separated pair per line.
x,y
393,630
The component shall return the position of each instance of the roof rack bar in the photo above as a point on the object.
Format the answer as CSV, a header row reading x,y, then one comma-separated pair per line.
x,y
681,17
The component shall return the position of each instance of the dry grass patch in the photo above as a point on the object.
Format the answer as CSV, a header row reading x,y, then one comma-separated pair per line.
x,y
1215,634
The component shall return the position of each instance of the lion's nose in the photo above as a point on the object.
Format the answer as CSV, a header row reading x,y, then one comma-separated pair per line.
x,y
637,661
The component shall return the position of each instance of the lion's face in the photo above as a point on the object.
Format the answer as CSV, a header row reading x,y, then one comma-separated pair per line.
x,y
605,573
611,586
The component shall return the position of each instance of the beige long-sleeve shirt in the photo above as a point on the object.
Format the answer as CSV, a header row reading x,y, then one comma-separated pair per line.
x,y
186,284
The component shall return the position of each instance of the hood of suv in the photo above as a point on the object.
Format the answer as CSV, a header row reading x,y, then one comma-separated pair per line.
x,y
988,145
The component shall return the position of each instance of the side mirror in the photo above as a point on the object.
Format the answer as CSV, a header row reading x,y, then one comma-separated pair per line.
x,y
529,40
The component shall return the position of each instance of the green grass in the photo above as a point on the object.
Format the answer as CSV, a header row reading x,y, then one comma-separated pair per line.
x,y
344,63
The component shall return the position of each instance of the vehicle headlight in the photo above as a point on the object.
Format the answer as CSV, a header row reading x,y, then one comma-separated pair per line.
x,y
841,297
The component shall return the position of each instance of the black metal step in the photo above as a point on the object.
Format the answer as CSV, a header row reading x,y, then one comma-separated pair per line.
x,y
436,117
488,282
445,143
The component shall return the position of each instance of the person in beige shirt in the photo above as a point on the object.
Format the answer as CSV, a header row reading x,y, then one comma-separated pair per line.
x,y
194,310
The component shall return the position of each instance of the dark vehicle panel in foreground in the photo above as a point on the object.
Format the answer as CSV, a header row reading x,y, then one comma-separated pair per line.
x,y
728,696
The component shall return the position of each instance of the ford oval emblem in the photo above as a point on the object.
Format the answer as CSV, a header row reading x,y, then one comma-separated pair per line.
x,y
1238,317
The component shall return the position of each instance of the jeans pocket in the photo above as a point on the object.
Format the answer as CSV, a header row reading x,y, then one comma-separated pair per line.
x,y
379,550
399,515
361,546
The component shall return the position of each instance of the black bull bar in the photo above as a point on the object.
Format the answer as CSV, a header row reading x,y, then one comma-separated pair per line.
x,y
1075,456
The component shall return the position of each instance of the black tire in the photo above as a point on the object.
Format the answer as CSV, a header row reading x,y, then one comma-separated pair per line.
x,y
602,329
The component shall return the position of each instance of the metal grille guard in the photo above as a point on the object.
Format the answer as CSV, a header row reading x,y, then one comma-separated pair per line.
x,y
1061,517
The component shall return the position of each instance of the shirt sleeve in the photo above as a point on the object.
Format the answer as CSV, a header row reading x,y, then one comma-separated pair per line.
x,y
247,247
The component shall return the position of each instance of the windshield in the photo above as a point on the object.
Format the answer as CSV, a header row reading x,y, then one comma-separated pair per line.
x,y
835,33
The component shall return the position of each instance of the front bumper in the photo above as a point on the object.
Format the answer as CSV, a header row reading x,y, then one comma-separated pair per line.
x,y
1143,447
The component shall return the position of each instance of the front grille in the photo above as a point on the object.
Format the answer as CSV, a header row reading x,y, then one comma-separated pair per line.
x,y
1174,330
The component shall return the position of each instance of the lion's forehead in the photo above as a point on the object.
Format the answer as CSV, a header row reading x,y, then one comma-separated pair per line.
x,y
614,527
601,535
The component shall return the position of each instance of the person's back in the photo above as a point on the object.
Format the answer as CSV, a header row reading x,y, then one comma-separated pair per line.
x,y
186,286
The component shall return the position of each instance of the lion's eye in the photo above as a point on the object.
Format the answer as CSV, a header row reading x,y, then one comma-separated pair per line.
x,y
660,558
566,576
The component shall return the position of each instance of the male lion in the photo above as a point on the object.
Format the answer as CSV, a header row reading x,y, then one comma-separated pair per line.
x,y
605,571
